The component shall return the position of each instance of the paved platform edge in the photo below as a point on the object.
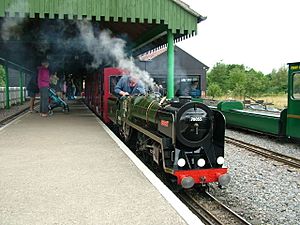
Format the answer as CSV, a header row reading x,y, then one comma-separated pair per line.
x,y
182,209
14,120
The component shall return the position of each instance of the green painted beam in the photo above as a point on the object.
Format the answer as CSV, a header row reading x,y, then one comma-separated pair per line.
x,y
170,79
21,86
176,16
7,100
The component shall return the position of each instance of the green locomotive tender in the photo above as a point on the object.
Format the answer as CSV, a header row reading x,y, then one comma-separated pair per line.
x,y
284,124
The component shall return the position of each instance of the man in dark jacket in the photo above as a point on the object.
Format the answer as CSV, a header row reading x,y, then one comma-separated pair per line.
x,y
129,85
32,91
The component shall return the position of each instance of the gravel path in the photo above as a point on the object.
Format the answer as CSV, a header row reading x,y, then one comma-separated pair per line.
x,y
262,190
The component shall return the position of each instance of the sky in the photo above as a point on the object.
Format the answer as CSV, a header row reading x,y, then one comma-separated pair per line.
x,y
261,34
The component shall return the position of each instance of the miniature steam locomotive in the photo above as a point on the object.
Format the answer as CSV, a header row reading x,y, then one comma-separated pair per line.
x,y
184,138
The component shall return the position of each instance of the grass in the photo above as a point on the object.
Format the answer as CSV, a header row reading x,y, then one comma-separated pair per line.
x,y
279,101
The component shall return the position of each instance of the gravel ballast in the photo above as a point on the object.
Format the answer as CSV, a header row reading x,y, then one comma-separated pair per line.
x,y
262,190
272,143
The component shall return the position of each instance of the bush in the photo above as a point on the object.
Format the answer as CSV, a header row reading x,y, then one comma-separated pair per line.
x,y
214,90
2,76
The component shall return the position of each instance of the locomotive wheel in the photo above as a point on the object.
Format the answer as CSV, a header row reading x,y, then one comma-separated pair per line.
x,y
125,132
128,134
141,148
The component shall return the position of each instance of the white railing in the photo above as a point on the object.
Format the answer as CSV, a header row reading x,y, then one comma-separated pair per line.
x,y
14,96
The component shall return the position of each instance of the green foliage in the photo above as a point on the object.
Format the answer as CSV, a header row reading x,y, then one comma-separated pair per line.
x,y
214,90
219,75
278,80
2,76
255,83
238,80
239,91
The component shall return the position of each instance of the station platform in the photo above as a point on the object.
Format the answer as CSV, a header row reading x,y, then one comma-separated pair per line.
x,y
71,169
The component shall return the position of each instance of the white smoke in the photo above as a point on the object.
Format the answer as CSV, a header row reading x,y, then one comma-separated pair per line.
x,y
106,49
11,29
43,44
12,26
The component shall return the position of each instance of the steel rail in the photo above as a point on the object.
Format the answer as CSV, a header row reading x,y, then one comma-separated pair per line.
x,y
10,118
289,160
241,219
199,210
206,215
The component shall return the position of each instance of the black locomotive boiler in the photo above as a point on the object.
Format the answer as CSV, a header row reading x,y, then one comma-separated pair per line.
x,y
185,138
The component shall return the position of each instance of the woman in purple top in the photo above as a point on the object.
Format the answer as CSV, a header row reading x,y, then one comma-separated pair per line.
x,y
43,83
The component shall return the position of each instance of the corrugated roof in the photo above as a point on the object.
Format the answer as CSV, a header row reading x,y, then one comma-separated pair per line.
x,y
186,7
144,22
176,14
152,54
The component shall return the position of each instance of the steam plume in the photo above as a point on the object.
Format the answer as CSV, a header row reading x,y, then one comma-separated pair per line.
x,y
12,27
107,49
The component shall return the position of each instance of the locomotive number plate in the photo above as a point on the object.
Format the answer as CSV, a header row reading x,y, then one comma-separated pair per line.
x,y
164,123
196,119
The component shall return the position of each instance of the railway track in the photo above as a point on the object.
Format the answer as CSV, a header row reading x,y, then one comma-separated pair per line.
x,y
210,210
10,118
288,160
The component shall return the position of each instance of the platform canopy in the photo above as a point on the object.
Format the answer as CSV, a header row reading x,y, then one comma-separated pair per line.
x,y
142,23
145,23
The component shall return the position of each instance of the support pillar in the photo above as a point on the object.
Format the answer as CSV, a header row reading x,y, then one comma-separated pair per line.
x,y
21,87
6,86
170,79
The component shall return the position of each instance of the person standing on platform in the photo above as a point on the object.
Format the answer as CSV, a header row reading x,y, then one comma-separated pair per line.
x,y
32,90
43,83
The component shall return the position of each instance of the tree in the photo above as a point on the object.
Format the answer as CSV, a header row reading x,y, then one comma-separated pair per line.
x,y
278,80
241,81
239,90
255,83
2,76
237,78
219,75
214,90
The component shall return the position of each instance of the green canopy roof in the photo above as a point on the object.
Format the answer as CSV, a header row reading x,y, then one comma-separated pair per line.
x,y
143,24
174,13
